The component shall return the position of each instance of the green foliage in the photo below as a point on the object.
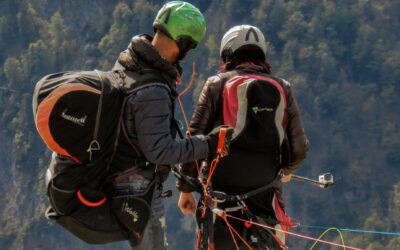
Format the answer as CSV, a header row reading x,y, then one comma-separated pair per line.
x,y
26,25
119,33
14,71
342,58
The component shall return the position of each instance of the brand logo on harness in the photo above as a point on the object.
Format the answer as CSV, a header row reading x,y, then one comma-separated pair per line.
x,y
258,109
78,121
130,211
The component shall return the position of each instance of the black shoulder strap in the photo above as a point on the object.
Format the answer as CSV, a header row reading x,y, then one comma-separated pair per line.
x,y
223,78
236,198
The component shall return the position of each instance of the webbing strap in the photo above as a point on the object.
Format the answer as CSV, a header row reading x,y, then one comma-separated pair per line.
x,y
261,189
95,145
228,197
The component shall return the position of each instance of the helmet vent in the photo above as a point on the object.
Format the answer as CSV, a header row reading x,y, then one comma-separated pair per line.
x,y
166,12
251,30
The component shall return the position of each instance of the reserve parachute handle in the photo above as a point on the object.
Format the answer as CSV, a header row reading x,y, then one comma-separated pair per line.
x,y
224,139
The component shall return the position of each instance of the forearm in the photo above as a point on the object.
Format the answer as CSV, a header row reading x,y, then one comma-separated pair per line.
x,y
153,115
163,150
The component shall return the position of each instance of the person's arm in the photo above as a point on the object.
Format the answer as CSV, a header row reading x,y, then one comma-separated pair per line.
x,y
202,123
295,132
152,110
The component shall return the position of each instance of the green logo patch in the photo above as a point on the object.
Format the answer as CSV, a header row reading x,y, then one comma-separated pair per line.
x,y
255,109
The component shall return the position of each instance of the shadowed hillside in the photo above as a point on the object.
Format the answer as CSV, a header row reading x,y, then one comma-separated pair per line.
x,y
342,58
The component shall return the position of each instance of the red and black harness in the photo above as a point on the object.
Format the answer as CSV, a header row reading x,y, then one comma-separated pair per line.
x,y
210,200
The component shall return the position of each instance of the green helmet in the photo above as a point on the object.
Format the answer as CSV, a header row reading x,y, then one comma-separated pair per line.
x,y
183,23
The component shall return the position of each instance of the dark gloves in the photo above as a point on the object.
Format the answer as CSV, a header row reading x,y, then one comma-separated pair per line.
x,y
214,137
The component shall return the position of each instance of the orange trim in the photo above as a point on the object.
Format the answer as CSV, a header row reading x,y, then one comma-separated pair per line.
x,y
89,203
44,111
183,110
190,83
188,130
232,230
213,166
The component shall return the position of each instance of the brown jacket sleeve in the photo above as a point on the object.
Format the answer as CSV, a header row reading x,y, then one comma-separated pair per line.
x,y
204,119
295,132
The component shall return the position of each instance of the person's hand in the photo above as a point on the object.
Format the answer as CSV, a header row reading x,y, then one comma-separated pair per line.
x,y
286,176
187,203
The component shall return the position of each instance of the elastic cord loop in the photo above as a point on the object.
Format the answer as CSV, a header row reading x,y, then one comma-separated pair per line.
x,y
89,203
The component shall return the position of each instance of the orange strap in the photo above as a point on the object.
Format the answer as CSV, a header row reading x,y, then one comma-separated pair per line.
x,y
183,110
233,232
89,203
221,141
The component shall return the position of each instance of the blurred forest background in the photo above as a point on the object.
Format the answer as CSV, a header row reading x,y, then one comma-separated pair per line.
x,y
342,57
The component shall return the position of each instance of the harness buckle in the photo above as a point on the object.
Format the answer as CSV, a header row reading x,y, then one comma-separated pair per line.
x,y
218,196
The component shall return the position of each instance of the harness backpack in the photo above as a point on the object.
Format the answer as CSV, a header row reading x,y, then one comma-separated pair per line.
x,y
255,106
78,115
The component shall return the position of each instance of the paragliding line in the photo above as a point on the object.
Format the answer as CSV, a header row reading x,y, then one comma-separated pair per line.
x,y
294,234
353,230
325,232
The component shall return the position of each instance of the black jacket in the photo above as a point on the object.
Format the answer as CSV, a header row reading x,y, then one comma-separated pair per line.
x,y
148,117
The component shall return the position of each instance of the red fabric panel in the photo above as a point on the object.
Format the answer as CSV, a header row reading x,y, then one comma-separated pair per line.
x,y
285,221
230,100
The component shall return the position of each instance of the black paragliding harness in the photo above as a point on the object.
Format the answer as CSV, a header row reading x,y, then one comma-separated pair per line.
x,y
208,204
210,199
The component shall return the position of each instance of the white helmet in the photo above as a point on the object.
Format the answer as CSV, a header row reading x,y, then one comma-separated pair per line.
x,y
240,36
